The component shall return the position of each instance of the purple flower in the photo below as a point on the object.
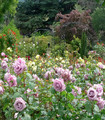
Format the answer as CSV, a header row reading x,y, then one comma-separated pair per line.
x,y
4,65
86,77
47,75
2,54
5,59
99,89
19,66
71,67
6,76
19,104
77,66
1,90
59,85
76,91
92,94
12,81
36,77
100,103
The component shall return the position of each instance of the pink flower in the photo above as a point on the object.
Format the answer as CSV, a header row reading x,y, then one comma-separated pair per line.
x,y
5,59
2,54
1,82
76,91
6,76
99,89
4,65
59,85
86,77
78,72
92,94
1,90
47,75
36,77
77,66
15,115
71,67
100,103
19,104
19,66
12,81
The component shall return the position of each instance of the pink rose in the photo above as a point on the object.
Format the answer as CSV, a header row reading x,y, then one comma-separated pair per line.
x,y
59,85
1,90
6,76
12,81
4,65
19,104
47,75
100,103
86,76
76,91
2,54
19,66
5,59
92,94
99,89
36,77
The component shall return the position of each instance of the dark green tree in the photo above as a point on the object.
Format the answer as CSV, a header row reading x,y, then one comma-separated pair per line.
x,y
33,14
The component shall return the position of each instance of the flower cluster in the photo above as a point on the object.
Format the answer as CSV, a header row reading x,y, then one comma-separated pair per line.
x,y
95,93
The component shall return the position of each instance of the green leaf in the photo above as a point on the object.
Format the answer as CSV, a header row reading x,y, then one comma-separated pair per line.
x,y
31,85
18,80
17,94
96,108
26,117
29,76
88,107
68,89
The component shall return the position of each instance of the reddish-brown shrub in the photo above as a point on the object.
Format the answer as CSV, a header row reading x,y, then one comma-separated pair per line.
x,y
73,23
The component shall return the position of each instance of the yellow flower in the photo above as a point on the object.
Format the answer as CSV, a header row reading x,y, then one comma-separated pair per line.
x,y
81,60
37,56
9,49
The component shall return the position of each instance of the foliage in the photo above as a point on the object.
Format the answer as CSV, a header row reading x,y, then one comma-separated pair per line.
x,y
83,50
42,13
7,6
73,23
100,49
75,43
98,18
11,26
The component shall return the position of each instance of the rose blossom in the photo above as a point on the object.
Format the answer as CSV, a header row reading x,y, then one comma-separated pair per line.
x,y
92,94
99,89
1,90
35,77
2,54
19,104
19,66
6,76
100,103
12,81
5,59
76,91
59,85
4,65
47,75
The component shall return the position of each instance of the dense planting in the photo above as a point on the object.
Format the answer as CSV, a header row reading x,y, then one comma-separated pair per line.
x,y
52,88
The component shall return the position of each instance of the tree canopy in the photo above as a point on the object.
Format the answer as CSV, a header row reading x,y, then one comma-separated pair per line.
x,y
33,14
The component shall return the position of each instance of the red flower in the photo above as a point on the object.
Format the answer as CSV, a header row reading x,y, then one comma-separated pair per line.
x,y
0,36
98,43
102,44
4,35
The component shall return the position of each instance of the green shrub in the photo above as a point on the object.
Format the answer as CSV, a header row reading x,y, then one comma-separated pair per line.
x,y
42,43
11,26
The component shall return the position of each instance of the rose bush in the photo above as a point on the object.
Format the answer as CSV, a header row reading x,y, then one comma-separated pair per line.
x,y
52,88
